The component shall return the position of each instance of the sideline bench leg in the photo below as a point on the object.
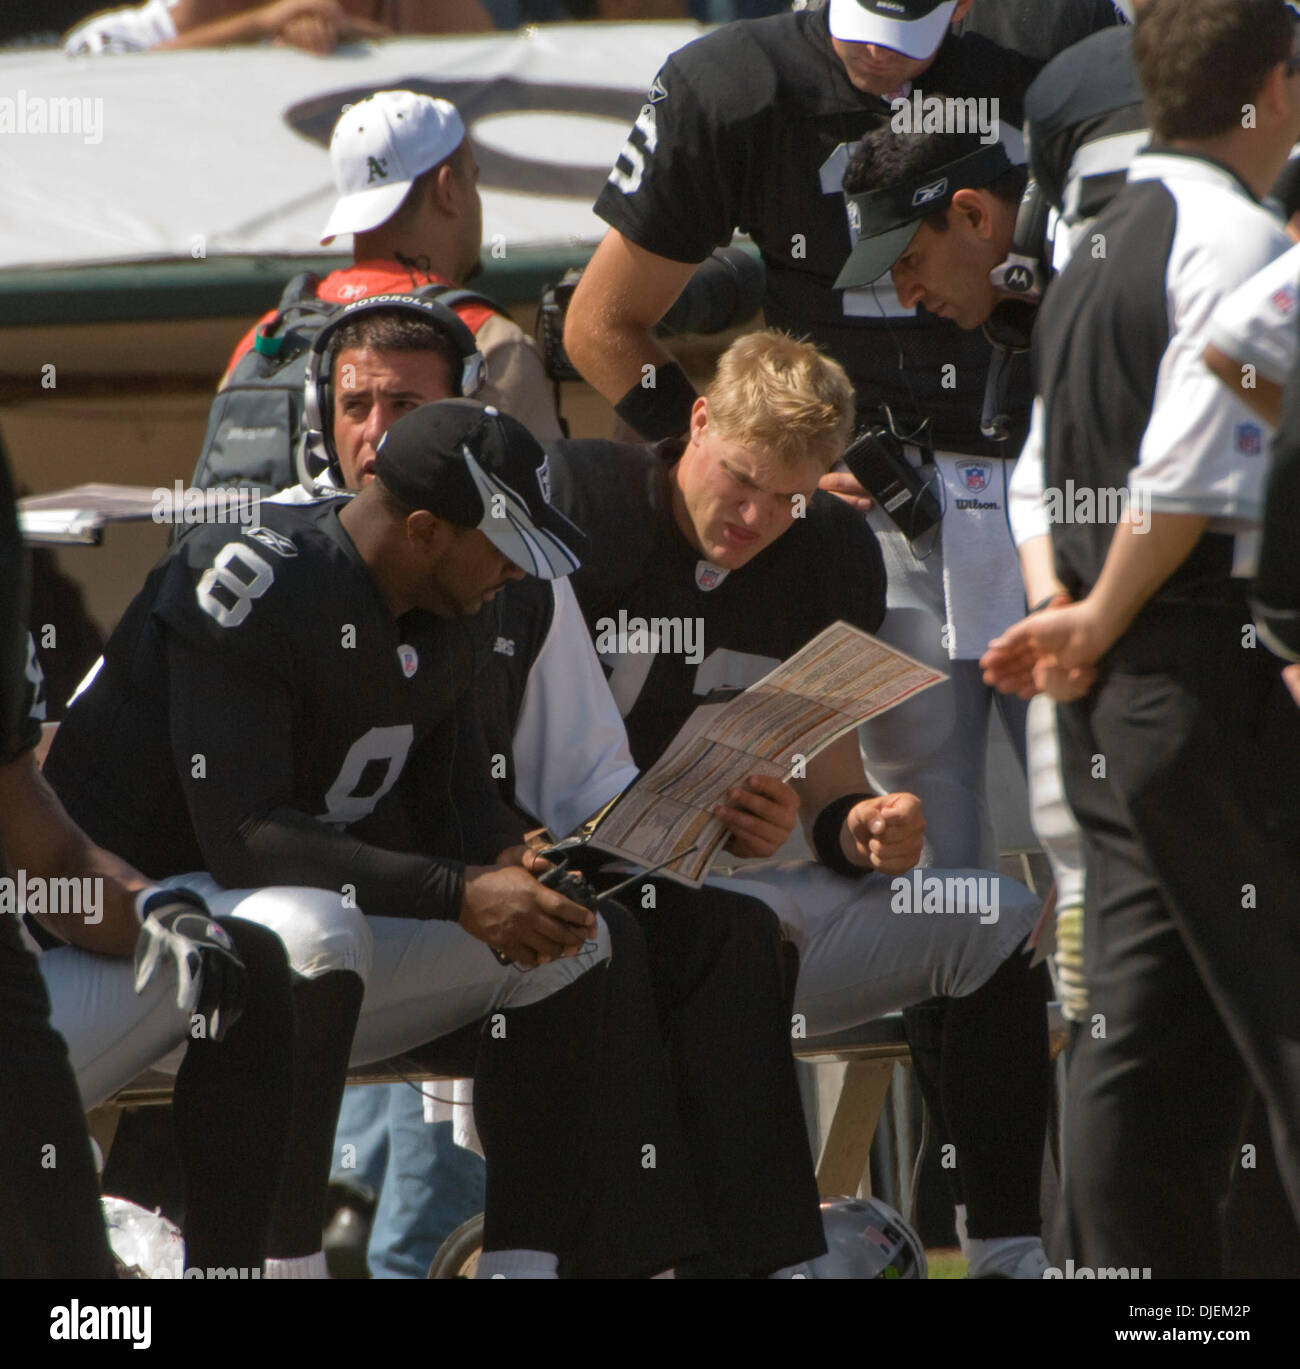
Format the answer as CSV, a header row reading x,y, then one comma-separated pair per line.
x,y
843,1164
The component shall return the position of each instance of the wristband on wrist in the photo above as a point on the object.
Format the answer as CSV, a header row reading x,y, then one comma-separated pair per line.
x,y
826,836
662,409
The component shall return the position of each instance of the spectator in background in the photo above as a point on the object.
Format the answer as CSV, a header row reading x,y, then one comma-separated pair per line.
x,y
421,224
317,26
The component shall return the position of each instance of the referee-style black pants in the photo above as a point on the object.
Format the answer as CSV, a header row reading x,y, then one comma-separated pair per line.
x,y
701,988
1183,768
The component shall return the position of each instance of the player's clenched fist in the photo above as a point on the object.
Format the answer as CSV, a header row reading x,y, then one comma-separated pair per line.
x,y
884,833
520,918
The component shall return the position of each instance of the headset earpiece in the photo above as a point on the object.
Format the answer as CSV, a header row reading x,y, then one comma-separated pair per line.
x,y
1023,275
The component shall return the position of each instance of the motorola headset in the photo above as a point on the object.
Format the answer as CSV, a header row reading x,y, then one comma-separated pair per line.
x,y
1020,280
317,455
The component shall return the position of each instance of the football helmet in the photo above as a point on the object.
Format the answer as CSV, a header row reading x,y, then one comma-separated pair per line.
x,y
867,1239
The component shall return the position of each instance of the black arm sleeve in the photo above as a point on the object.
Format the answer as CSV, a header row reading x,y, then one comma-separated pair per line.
x,y
250,832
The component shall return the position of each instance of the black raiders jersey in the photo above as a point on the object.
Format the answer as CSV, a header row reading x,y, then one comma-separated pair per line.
x,y
1038,29
260,714
750,128
674,631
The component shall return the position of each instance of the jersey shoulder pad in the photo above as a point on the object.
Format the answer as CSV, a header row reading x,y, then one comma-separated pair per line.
x,y
1090,77
251,588
732,72
616,493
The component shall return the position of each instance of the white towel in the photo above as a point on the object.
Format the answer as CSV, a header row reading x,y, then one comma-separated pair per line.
x,y
452,1100
982,589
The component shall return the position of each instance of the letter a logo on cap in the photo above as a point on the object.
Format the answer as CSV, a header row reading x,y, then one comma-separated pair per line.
x,y
378,168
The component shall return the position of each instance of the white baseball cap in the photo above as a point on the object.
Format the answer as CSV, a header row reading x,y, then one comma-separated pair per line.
x,y
913,27
379,147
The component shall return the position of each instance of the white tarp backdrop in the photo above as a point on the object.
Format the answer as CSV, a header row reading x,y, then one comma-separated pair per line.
x,y
186,154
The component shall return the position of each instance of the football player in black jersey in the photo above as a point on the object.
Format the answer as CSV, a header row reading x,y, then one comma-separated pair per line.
x,y
117,1019
302,691
751,128
385,744
727,530
704,972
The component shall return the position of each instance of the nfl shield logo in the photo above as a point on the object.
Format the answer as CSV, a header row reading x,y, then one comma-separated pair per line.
x,y
975,475
708,576
1249,438
1284,300
409,658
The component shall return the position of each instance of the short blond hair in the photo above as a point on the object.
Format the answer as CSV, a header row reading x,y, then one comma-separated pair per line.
x,y
772,391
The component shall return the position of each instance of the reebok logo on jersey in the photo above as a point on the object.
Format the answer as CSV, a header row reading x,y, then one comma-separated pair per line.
x,y
657,91
272,540
410,659
503,646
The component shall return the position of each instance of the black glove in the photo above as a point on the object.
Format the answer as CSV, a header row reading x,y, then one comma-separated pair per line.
x,y
211,979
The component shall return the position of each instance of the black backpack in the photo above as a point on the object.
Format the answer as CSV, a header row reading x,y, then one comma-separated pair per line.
x,y
256,420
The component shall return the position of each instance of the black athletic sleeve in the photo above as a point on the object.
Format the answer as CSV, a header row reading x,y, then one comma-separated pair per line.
x,y
676,186
239,721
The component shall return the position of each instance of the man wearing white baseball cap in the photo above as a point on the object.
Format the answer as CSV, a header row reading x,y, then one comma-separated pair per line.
x,y
914,28
408,193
